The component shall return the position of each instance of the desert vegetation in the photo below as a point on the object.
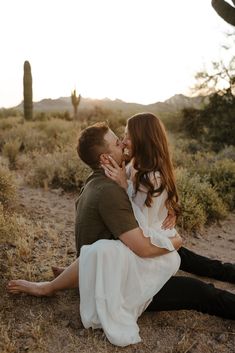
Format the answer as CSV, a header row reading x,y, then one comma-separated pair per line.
x,y
40,171
44,154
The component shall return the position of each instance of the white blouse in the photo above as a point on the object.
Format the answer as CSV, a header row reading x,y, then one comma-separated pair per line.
x,y
150,219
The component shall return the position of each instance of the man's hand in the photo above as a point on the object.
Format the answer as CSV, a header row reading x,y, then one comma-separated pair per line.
x,y
169,222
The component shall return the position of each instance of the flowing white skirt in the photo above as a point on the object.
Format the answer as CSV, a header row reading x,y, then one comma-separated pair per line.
x,y
116,286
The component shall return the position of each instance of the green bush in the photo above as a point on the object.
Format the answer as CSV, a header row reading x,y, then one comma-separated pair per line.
x,y
214,168
214,123
200,203
192,213
222,178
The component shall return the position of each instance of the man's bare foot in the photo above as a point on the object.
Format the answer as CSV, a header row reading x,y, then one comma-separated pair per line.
x,y
57,270
38,289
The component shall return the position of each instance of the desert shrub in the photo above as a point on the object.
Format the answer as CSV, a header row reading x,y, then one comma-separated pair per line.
x,y
191,146
30,138
58,133
44,136
213,205
59,169
65,115
200,203
222,177
192,216
192,213
227,153
52,127
6,124
217,170
7,187
17,238
9,112
172,121
70,172
115,119
11,151
16,133
181,158
214,123
3,162
41,116
9,228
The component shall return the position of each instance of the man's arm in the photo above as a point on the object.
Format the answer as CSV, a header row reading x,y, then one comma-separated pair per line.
x,y
141,245
117,214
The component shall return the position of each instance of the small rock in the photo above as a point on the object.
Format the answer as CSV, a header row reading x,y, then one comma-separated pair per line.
x,y
82,332
65,323
222,338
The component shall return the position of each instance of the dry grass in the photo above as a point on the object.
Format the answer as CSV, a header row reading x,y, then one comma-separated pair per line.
x,y
52,325
39,233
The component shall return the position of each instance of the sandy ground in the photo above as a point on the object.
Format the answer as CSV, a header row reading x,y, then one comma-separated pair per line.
x,y
53,324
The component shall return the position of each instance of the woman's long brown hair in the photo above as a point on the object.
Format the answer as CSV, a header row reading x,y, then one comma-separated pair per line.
x,y
150,153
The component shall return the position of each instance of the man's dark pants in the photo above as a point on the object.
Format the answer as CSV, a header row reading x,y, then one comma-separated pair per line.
x,y
187,293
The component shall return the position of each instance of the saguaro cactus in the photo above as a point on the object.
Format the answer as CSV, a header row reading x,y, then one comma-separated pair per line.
x,y
225,10
28,92
75,102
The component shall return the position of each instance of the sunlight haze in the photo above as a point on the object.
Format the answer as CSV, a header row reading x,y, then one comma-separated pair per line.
x,y
137,51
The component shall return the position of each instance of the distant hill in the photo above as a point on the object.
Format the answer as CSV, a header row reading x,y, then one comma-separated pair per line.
x,y
171,105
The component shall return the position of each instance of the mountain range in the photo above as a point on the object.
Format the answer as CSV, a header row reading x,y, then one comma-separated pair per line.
x,y
171,105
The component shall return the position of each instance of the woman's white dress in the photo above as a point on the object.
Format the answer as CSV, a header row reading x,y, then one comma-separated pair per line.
x,y
116,285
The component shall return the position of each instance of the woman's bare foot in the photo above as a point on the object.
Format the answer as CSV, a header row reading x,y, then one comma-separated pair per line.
x,y
38,289
57,270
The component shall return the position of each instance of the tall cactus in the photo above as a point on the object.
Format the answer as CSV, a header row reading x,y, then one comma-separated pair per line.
x,y
225,10
75,102
28,92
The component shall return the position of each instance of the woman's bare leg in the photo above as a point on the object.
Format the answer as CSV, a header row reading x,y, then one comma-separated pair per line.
x,y
67,279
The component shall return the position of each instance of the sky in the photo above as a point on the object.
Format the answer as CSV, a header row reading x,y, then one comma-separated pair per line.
x,y
141,51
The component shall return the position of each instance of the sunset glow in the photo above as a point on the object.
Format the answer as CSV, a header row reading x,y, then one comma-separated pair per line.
x,y
139,51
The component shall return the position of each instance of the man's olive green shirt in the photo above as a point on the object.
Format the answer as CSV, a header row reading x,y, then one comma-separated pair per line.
x,y
103,211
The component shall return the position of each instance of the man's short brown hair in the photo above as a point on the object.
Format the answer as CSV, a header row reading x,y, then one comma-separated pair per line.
x,y
91,144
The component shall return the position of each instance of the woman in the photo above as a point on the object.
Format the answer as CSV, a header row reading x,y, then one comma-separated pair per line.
x,y
150,184
114,302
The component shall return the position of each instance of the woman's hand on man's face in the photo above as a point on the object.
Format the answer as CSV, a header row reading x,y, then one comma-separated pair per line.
x,y
116,173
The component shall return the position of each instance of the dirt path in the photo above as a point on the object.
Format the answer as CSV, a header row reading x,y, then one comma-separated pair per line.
x,y
53,324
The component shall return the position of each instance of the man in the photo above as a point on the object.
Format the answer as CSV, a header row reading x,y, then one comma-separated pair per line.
x,y
104,212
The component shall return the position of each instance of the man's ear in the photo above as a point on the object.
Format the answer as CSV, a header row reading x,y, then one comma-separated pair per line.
x,y
104,158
